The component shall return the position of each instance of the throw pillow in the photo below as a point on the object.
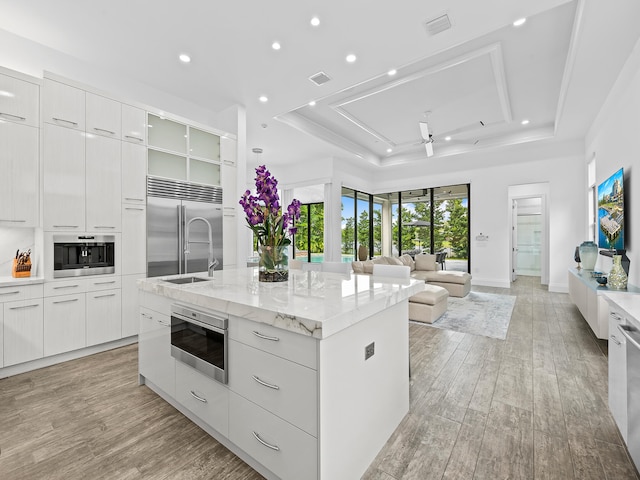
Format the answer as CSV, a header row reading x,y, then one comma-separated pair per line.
x,y
408,261
425,261
367,266
394,261
357,267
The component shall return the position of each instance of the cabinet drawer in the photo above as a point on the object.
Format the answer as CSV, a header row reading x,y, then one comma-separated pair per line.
x,y
157,303
205,397
284,449
9,293
285,388
65,287
292,346
103,283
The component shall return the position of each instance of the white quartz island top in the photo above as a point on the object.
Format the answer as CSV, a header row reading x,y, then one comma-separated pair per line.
x,y
315,304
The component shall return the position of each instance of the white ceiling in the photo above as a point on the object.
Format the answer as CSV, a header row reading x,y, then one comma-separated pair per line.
x,y
555,70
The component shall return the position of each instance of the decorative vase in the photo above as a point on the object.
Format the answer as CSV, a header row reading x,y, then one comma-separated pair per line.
x,y
363,253
617,277
273,263
588,255
576,257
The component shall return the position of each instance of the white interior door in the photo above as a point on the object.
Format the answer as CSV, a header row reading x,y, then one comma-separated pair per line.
x,y
514,239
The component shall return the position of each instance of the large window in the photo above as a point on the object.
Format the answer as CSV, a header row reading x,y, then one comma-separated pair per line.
x,y
430,220
309,239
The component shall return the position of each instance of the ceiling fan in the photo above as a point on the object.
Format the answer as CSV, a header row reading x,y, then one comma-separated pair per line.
x,y
427,138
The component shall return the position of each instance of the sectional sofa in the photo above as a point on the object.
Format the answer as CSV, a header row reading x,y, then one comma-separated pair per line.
x,y
424,267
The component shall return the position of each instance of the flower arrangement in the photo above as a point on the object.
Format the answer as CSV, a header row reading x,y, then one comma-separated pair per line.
x,y
270,225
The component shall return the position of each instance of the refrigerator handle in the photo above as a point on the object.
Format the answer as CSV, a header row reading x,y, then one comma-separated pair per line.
x,y
180,238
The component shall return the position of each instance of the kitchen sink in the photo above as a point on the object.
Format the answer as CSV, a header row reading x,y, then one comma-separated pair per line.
x,y
182,280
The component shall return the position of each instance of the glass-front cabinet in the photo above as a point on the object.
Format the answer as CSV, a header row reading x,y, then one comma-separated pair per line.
x,y
182,152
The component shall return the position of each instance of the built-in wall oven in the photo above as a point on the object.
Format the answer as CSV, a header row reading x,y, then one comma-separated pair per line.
x,y
199,339
75,255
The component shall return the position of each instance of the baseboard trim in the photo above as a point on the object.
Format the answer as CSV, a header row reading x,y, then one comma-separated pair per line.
x,y
559,287
485,282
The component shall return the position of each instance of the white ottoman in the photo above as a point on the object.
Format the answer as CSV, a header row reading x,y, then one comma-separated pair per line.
x,y
428,305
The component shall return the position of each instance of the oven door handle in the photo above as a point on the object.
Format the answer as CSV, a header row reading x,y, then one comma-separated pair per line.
x,y
200,324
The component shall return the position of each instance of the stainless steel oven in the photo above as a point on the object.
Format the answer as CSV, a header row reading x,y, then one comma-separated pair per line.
x,y
199,339
75,255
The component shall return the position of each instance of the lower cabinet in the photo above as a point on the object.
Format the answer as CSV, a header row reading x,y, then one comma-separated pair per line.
x,y
1,337
64,324
130,305
618,372
205,397
284,449
104,310
154,350
23,331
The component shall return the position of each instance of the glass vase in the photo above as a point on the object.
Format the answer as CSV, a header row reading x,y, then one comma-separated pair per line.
x,y
617,279
588,255
273,263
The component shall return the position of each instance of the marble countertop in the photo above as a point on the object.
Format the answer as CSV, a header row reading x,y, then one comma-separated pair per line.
x,y
9,281
628,302
311,303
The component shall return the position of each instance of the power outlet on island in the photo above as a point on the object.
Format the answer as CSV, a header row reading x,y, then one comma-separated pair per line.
x,y
369,350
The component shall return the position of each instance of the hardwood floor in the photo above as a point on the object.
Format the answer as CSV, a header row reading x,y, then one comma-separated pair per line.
x,y
533,406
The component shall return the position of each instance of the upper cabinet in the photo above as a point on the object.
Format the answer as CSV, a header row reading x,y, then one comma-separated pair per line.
x,y
64,105
104,116
134,124
19,101
167,135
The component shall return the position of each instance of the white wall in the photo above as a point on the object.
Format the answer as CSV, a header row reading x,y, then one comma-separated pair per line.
x,y
613,139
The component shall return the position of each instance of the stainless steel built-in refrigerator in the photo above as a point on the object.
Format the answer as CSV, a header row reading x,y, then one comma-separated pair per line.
x,y
182,217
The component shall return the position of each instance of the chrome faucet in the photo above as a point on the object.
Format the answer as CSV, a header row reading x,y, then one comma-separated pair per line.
x,y
211,262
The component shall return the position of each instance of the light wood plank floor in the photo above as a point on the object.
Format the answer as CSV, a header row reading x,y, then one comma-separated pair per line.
x,y
533,406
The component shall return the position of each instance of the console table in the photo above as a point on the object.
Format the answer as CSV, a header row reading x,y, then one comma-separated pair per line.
x,y
586,293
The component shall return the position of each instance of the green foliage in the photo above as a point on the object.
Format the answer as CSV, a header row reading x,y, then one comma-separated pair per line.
x,y
457,231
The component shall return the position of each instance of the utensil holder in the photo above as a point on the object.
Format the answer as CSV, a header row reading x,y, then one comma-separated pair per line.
x,y
21,270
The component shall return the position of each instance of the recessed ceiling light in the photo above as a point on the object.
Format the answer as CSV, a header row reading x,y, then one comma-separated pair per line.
x,y
276,45
519,22
447,139
525,122
184,58
264,98
389,150
315,21
312,103
392,72
351,58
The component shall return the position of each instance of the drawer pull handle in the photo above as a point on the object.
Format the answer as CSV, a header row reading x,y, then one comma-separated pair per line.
x,y
10,293
615,316
67,301
134,138
103,226
268,445
146,315
135,199
197,397
104,283
615,340
107,295
75,124
65,286
266,337
12,221
104,130
131,208
12,116
262,382
25,306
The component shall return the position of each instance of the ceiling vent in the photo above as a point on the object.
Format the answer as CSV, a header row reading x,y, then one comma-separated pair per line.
x,y
437,25
319,78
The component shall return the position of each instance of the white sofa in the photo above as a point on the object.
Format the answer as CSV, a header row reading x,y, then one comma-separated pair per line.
x,y
424,267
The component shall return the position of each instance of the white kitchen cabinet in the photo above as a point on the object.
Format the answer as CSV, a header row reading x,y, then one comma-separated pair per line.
x,y
103,116
64,323
134,124
103,316
229,240
154,350
19,195
19,101
103,198
618,371
130,305
228,151
134,243
205,397
134,173
585,293
23,331
1,337
63,105
64,179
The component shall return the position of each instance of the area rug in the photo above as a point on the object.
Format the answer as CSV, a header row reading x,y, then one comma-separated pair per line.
x,y
478,313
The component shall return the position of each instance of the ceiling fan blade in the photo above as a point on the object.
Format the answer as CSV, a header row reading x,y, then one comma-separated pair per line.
x,y
429,148
424,130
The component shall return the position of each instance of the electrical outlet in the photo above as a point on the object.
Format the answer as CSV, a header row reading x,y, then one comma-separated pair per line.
x,y
369,350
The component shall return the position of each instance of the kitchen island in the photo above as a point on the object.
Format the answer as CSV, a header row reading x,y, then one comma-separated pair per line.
x,y
317,366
